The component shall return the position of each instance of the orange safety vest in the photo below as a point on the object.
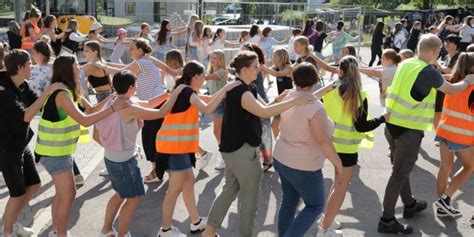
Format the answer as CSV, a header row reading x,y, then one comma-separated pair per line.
x,y
457,120
179,133
27,43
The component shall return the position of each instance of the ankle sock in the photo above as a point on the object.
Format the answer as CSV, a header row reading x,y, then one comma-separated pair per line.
x,y
199,222
165,230
446,199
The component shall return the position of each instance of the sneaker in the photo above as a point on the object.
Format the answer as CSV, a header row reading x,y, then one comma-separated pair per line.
x,y
173,232
111,233
419,206
103,173
335,225
329,233
52,234
220,165
394,227
442,204
472,220
79,179
205,159
441,213
20,230
2,180
199,227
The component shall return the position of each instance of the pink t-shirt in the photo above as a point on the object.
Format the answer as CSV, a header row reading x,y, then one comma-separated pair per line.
x,y
295,146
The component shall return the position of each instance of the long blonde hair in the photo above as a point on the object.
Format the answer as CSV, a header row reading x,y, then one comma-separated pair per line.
x,y
220,61
284,57
351,79
464,66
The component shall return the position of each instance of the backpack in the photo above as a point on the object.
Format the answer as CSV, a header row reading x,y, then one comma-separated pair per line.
x,y
389,41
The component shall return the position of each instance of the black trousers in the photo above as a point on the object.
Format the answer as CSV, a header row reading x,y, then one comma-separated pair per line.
x,y
376,51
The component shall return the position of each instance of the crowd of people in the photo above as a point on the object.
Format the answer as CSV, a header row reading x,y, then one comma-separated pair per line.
x,y
158,93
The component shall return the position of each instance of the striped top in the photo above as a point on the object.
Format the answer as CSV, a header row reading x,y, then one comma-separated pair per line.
x,y
148,84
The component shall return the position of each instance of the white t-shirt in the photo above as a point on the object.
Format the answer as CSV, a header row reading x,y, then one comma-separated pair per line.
x,y
399,39
467,34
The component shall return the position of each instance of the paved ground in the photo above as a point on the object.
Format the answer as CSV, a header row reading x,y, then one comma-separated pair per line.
x,y
359,214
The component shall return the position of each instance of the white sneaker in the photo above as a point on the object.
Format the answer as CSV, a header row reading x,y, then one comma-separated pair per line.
x,y
111,233
2,180
52,234
220,165
335,225
174,232
104,172
329,233
19,229
199,227
79,179
205,159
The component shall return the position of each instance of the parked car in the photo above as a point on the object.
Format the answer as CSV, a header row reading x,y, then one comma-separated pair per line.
x,y
219,19
228,22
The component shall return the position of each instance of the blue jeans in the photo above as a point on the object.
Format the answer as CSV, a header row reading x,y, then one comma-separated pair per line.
x,y
296,184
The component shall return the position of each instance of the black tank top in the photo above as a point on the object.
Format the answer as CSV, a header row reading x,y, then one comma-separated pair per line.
x,y
98,81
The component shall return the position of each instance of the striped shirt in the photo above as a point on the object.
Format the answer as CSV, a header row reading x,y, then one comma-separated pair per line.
x,y
148,84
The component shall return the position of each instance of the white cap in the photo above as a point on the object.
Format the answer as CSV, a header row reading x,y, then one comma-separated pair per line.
x,y
96,25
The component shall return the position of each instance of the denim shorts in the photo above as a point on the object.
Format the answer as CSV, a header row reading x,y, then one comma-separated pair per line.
x,y
56,164
451,145
126,178
219,112
179,162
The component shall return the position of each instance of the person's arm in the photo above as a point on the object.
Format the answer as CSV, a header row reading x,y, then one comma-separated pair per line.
x,y
255,107
90,109
454,88
64,101
165,68
371,72
362,124
231,43
104,40
179,31
286,72
33,35
326,66
152,114
115,68
323,137
34,108
322,91
76,37
208,108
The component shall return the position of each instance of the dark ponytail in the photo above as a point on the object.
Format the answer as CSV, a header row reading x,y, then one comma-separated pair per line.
x,y
190,70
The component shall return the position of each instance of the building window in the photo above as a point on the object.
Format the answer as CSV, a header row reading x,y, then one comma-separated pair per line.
x,y
130,8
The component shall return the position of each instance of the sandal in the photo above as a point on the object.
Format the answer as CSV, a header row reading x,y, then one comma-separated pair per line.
x,y
267,166
151,178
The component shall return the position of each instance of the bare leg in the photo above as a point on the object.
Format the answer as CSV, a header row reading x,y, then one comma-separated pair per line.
x,y
175,187
464,173
126,214
110,212
336,197
65,193
445,168
188,196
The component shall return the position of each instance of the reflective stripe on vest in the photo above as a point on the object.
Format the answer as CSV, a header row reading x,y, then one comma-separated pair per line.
x,y
404,110
179,133
346,138
457,120
57,138
27,43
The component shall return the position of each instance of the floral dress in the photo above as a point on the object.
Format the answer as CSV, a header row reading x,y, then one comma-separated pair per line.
x,y
40,78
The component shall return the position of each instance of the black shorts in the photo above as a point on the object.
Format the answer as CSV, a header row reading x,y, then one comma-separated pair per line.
x,y
349,160
19,173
